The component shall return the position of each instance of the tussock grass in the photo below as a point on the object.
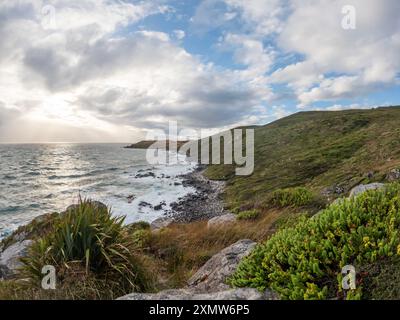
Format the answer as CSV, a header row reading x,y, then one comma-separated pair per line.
x,y
94,254
181,249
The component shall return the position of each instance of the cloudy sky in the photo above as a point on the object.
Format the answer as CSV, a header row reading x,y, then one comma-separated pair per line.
x,y
111,70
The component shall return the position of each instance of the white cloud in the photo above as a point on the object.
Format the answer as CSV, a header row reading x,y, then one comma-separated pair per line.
x,y
362,58
251,53
263,16
84,73
328,57
93,68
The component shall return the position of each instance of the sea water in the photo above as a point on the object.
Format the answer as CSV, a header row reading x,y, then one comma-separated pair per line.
x,y
42,178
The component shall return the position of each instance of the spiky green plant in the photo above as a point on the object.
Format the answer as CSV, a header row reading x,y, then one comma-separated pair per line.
x,y
89,236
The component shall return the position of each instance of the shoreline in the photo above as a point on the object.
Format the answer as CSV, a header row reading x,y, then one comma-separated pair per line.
x,y
204,204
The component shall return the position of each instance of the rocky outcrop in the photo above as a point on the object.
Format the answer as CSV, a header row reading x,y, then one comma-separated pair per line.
x,y
209,283
393,175
10,258
221,220
185,294
365,187
97,204
213,275
161,223
203,204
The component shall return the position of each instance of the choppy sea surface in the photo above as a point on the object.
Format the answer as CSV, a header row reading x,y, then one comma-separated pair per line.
x,y
41,178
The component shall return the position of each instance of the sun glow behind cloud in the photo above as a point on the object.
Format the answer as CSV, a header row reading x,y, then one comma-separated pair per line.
x,y
100,70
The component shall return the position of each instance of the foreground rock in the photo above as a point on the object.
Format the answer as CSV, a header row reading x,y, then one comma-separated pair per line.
x,y
161,223
213,275
209,283
97,204
393,175
10,258
185,294
221,220
365,187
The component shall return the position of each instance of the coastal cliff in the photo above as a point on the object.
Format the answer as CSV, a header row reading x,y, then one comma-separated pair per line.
x,y
317,176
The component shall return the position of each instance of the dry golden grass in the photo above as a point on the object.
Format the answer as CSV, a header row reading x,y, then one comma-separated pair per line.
x,y
179,250
171,256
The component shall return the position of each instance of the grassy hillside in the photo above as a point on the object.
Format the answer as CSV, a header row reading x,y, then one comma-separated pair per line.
x,y
302,163
327,152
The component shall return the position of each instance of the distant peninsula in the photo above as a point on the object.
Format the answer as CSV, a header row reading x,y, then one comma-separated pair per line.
x,y
148,144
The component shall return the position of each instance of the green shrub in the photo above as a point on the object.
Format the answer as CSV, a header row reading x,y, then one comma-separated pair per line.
x,y
248,215
87,238
140,225
305,261
142,237
292,197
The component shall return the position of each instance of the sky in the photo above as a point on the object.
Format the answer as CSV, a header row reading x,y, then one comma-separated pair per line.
x,y
115,70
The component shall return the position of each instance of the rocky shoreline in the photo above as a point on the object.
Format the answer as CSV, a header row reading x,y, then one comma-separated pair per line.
x,y
204,204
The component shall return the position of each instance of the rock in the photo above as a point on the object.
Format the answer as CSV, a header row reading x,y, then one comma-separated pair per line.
x,y
146,175
333,190
364,187
221,220
131,198
185,294
212,276
159,206
209,282
9,258
97,204
145,204
393,175
161,223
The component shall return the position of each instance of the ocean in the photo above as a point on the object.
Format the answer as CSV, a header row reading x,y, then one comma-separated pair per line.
x,y
41,178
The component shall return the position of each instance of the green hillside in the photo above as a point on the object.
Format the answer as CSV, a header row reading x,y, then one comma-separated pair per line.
x,y
327,152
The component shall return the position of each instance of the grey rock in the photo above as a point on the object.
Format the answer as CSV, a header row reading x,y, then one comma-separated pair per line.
x,y
213,275
365,187
221,220
97,204
9,258
393,175
145,204
159,206
209,282
185,294
161,223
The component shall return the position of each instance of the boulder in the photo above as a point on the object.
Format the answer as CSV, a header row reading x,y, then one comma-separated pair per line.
x,y
209,282
221,220
185,294
213,275
97,204
161,223
9,258
365,187
393,175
